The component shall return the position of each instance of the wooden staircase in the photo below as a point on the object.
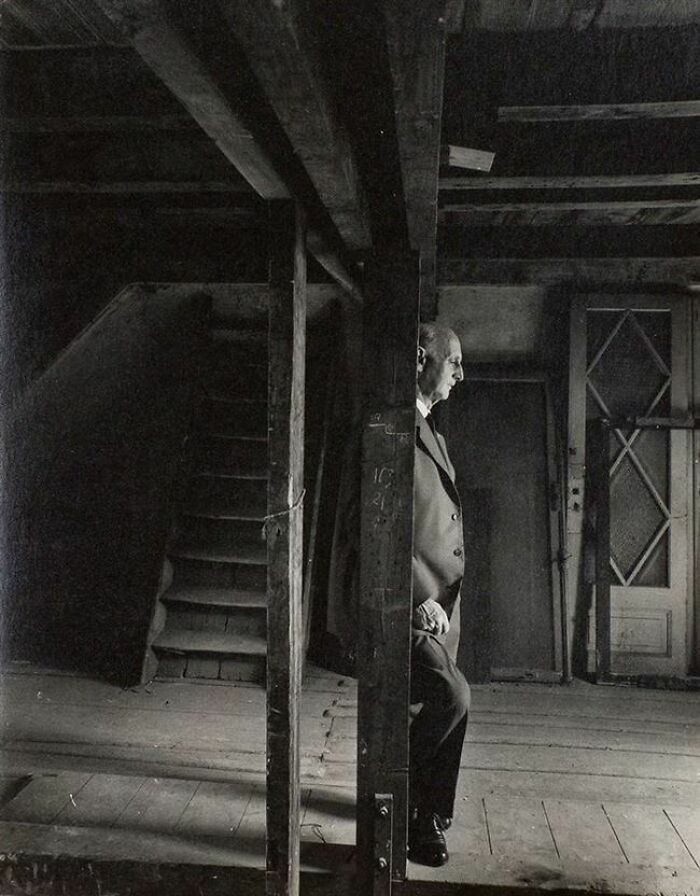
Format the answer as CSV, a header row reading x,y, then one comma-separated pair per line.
x,y
216,604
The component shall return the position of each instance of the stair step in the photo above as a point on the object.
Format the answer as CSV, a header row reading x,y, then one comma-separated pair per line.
x,y
222,540
229,457
220,554
207,596
226,498
241,419
215,643
190,573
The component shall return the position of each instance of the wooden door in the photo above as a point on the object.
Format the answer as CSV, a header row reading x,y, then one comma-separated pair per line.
x,y
500,447
637,366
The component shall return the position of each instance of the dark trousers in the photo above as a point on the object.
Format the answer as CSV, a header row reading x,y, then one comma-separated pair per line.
x,y
437,726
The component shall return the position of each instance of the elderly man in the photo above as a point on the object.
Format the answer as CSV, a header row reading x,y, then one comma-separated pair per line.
x,y
439,691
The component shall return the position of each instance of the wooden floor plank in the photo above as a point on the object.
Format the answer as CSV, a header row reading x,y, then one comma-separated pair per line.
x,y
582,832
518,829
44,797
628,764
158,805
253,824
100,801
686,821
329,815
469,834
10,786
216,810
647,836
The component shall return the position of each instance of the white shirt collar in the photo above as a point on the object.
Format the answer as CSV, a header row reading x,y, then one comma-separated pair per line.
x,y
422,407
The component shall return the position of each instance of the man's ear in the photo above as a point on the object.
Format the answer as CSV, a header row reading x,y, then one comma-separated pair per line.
x,y
421,358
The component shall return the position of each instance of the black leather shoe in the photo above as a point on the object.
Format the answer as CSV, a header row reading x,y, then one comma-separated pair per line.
x,y
444,821
426,841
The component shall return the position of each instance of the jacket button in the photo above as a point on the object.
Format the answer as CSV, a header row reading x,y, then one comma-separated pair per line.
x,y
458,552
455,516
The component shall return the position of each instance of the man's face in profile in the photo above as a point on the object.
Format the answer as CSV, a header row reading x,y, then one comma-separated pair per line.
x,y
439,368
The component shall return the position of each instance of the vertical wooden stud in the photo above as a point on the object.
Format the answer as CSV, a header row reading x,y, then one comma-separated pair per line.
x,y
390,346
284,528
600,463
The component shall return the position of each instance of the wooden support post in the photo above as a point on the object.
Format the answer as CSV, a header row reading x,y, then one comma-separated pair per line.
x,y
390,345
287,338
600,449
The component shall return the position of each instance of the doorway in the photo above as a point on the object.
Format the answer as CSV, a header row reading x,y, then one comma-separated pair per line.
x,y
501,441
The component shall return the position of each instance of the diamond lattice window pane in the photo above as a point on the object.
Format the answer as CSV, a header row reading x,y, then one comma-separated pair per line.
x,y
635,517
628,376
654,573
651,449
600,326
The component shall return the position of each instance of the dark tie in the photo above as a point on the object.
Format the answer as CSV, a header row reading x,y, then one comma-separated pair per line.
x,y
431,423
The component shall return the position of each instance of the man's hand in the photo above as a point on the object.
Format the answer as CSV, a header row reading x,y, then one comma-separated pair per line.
x,y
430,617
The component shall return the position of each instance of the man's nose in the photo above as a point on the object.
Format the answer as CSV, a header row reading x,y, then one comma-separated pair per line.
x,y
459,374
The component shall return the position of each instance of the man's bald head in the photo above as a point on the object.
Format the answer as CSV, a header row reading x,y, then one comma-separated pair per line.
x,y
439,362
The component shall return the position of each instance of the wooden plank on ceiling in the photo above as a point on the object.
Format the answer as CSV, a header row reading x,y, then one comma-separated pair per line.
x,y
601,112
75,124
32,23
281,47
572,182
678,271
162,46
121,187
284,528
623,212
577,15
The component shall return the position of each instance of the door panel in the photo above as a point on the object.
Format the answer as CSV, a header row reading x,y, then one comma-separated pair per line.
x,y
636,367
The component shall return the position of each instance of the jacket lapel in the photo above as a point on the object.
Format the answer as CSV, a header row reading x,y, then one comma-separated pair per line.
x,y
428,442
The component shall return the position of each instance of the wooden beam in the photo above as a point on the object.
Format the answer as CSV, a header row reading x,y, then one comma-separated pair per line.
x,y
676,271
161,44
454,16
577,15
416,36
463,157
416,42
333,265
624,212
76,124
573,182
284,528
42,187
281,47
390,340
600,112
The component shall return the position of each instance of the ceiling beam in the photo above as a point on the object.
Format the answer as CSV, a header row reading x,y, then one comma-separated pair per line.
x,y
578,15
161,44
281,47
574,182
600,112
634,212
552,271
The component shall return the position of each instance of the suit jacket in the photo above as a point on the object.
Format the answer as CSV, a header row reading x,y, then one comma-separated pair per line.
x,y
438,540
